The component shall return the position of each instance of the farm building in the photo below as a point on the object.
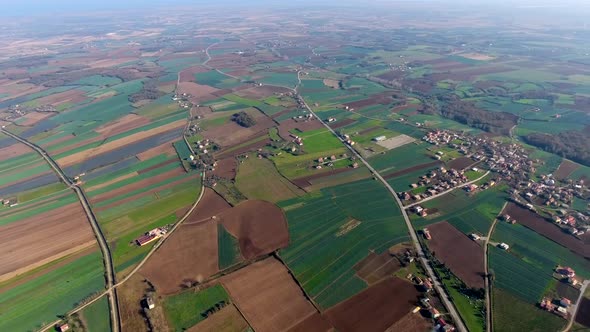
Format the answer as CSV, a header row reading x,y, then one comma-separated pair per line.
x,y
565,302
426,233
474,237
150,236
149,303
379,138
503,246
63,327
566,271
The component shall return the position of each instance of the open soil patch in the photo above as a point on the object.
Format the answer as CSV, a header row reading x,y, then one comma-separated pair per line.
x,y
462,255
244,149
565,169
377,267
226,168
125,123
547,229
288,125
196,90
210,205
306,181
341,123
260,227
583,316
566,290
411,323
227,319
267,295
239,134
460,163
13,150
261,92
40,239
190,254
376,308
412,169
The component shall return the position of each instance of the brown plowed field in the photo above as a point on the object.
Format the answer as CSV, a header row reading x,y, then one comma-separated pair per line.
x,y
374,268
462,255
341,123
244,149
583,316
14,150
151,168
37,240
188,74
239,134
34,117
566,290
267,296
196,90
226,168
383,99
71,96
411,323
565,169
260,227
313,323
376,308
210,205
306,181
261,92
460,163
136,185
122,125
547,229
189,254
227,319
412,169
304,126
166,148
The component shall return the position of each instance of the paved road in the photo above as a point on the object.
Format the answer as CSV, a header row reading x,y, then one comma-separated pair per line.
x,y
437,284
577,306
106,253
446,191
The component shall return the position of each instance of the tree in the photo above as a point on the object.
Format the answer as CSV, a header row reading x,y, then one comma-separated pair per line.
x,y
244,119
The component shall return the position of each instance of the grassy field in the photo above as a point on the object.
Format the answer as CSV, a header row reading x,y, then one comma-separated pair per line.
x,y
228,247
96,316
187,308
324,246
259,179
41,192
401,158
513,315
36,302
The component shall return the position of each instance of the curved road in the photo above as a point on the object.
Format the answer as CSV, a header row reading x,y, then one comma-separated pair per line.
x,y
104,248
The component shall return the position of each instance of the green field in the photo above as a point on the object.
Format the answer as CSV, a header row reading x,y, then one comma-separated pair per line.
x,y
32,304
401,158
187,308
321,254
229,250
259,179
511,314
96,316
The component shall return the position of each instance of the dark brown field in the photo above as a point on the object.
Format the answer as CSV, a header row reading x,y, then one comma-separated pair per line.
x,y
210,205
376,308
260,227
226,168
341,123
462,255
565,169
377,267
583,316
412,169
306,181
547,229
460,163
411,323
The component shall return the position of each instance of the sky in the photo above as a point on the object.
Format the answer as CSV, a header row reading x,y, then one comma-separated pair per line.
x,y
37,7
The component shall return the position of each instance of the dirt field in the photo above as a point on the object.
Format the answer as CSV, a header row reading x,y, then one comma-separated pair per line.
x,y
259,226
477,56
565,169
83,155
196,90
129,296
306,181
27,244
239,134
341,123
314,323
14,150
462,255
34,117
71,96
376,308
460,163
382,98
566,290
227,319
412,169
267,296
411,323
189,254
188,74
547,229
122,125
166,148
396,142
136,185
210,205
226,168
583,316
244,149
331,83
375,267
261,92
286,126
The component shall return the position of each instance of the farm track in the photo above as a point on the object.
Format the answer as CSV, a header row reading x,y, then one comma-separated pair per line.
x,y
486,279
106,253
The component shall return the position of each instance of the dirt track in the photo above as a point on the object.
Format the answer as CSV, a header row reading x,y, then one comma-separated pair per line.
x,y
462,255
267,296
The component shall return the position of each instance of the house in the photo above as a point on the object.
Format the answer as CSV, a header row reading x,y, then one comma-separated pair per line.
x,y
503,246
149,303
474,237
423,214
63,327
426,233
570,220
566,271
418,208
547,304
565,302
145,239
379,138
562,311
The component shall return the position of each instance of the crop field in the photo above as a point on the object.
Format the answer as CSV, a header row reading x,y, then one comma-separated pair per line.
x,y
96,316
29,305
538,250
340,225
512,314
468,214
228,247
186,309
259,179
401,158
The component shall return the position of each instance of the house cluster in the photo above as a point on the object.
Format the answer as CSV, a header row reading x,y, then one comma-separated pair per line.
x,y
424,305
183,100
151,236
203,158
347,140
436,181
556,306
9,202
328,161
